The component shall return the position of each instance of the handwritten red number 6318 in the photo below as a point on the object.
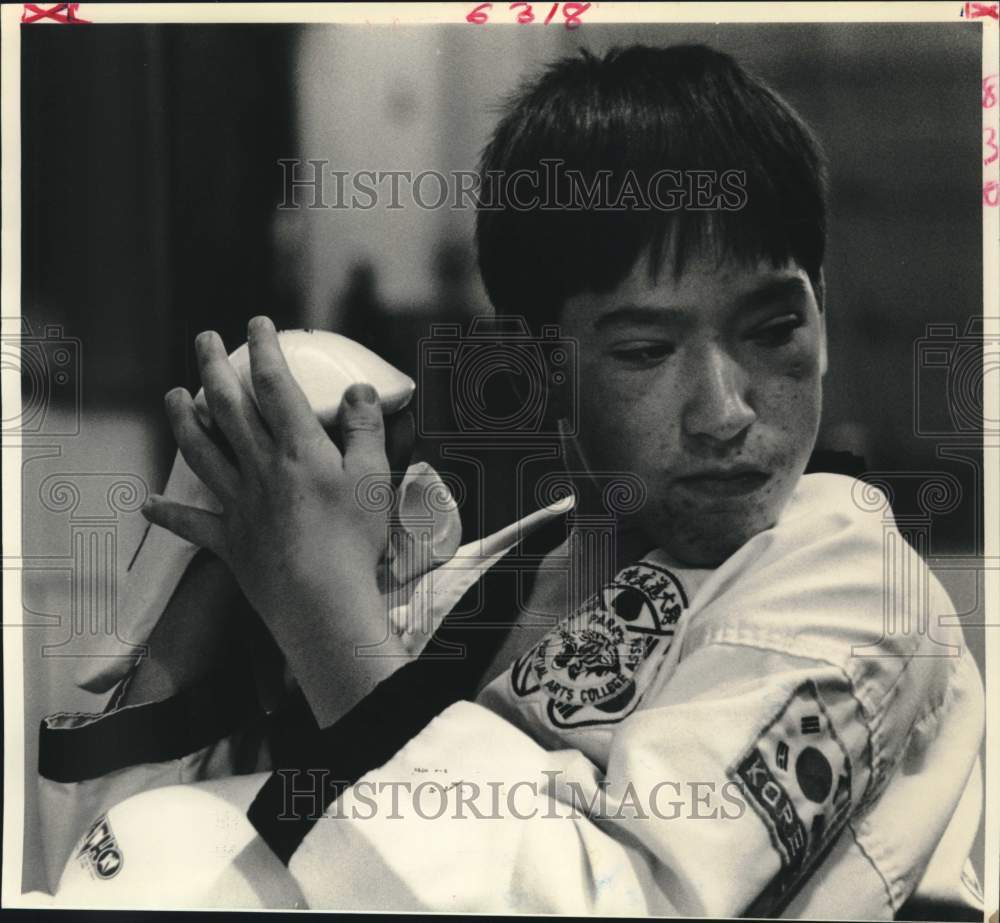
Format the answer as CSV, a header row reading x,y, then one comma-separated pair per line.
x,y
478,15
989,91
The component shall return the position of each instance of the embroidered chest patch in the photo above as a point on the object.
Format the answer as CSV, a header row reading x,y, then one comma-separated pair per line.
x,y
588,668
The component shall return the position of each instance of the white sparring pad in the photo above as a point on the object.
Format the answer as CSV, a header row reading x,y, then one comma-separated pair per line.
x,y
324,364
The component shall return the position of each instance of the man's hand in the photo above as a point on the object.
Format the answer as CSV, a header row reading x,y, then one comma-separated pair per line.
x,y
302,547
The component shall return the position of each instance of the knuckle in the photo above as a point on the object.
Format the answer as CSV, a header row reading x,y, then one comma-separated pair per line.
x,y
267,380
226,398
363,423
284,472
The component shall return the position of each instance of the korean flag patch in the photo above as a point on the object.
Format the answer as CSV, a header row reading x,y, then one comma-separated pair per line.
x,y
797,777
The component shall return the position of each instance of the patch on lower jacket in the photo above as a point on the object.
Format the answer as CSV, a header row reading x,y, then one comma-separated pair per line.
x,y
588,666
797,777
99,852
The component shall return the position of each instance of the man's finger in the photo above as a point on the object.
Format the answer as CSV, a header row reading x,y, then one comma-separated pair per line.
x,y
232,408
282,404
363,431
203,456
199,527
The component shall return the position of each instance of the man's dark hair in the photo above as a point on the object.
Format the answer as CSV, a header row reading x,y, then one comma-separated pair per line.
x,y
642,110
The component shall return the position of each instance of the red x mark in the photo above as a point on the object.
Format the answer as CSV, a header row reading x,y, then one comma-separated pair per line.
x,y
61,12
977,10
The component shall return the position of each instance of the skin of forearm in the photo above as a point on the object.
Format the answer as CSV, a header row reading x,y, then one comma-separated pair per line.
x,y
203,628
339,659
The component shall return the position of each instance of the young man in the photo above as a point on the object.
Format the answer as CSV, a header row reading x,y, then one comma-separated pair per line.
x,y
747,732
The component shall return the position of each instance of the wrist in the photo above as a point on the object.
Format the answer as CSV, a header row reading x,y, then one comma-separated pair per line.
x,y
340,648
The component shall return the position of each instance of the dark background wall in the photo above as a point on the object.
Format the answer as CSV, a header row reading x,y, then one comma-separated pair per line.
x,y
148,181
150,185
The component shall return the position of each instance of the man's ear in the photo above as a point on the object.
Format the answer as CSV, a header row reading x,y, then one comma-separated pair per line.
x,y
820,292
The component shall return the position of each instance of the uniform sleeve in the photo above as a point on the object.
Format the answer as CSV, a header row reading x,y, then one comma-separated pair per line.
x,y
89,762
216,731
714,803
795,702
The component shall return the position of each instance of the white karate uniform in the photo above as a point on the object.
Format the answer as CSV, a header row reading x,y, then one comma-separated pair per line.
x,y
792,733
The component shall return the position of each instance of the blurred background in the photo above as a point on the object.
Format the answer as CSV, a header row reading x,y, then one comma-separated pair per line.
x,y
151,180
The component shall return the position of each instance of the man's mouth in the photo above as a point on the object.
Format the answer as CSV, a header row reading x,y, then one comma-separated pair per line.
x,y
733,481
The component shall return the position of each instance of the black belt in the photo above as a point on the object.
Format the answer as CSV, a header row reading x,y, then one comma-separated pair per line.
x,y
448,670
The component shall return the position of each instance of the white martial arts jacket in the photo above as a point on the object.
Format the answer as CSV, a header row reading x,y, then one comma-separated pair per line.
x,y
794,733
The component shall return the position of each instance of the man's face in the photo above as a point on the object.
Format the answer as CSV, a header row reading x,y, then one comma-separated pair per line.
x,y
708,387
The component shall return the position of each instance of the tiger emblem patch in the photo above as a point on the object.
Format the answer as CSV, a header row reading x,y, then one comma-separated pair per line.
x,y
592,652
588,668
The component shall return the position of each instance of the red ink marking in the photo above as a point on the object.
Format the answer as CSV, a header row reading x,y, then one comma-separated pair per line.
x,y
975,10
989,91
478,15
990,140
61,12
526,15
991,193
573,12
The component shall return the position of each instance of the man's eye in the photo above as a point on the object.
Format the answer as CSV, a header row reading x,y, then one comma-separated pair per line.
x,y
778,332
642,353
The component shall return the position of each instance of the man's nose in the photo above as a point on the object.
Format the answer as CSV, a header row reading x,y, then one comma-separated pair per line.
x,y
718,407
